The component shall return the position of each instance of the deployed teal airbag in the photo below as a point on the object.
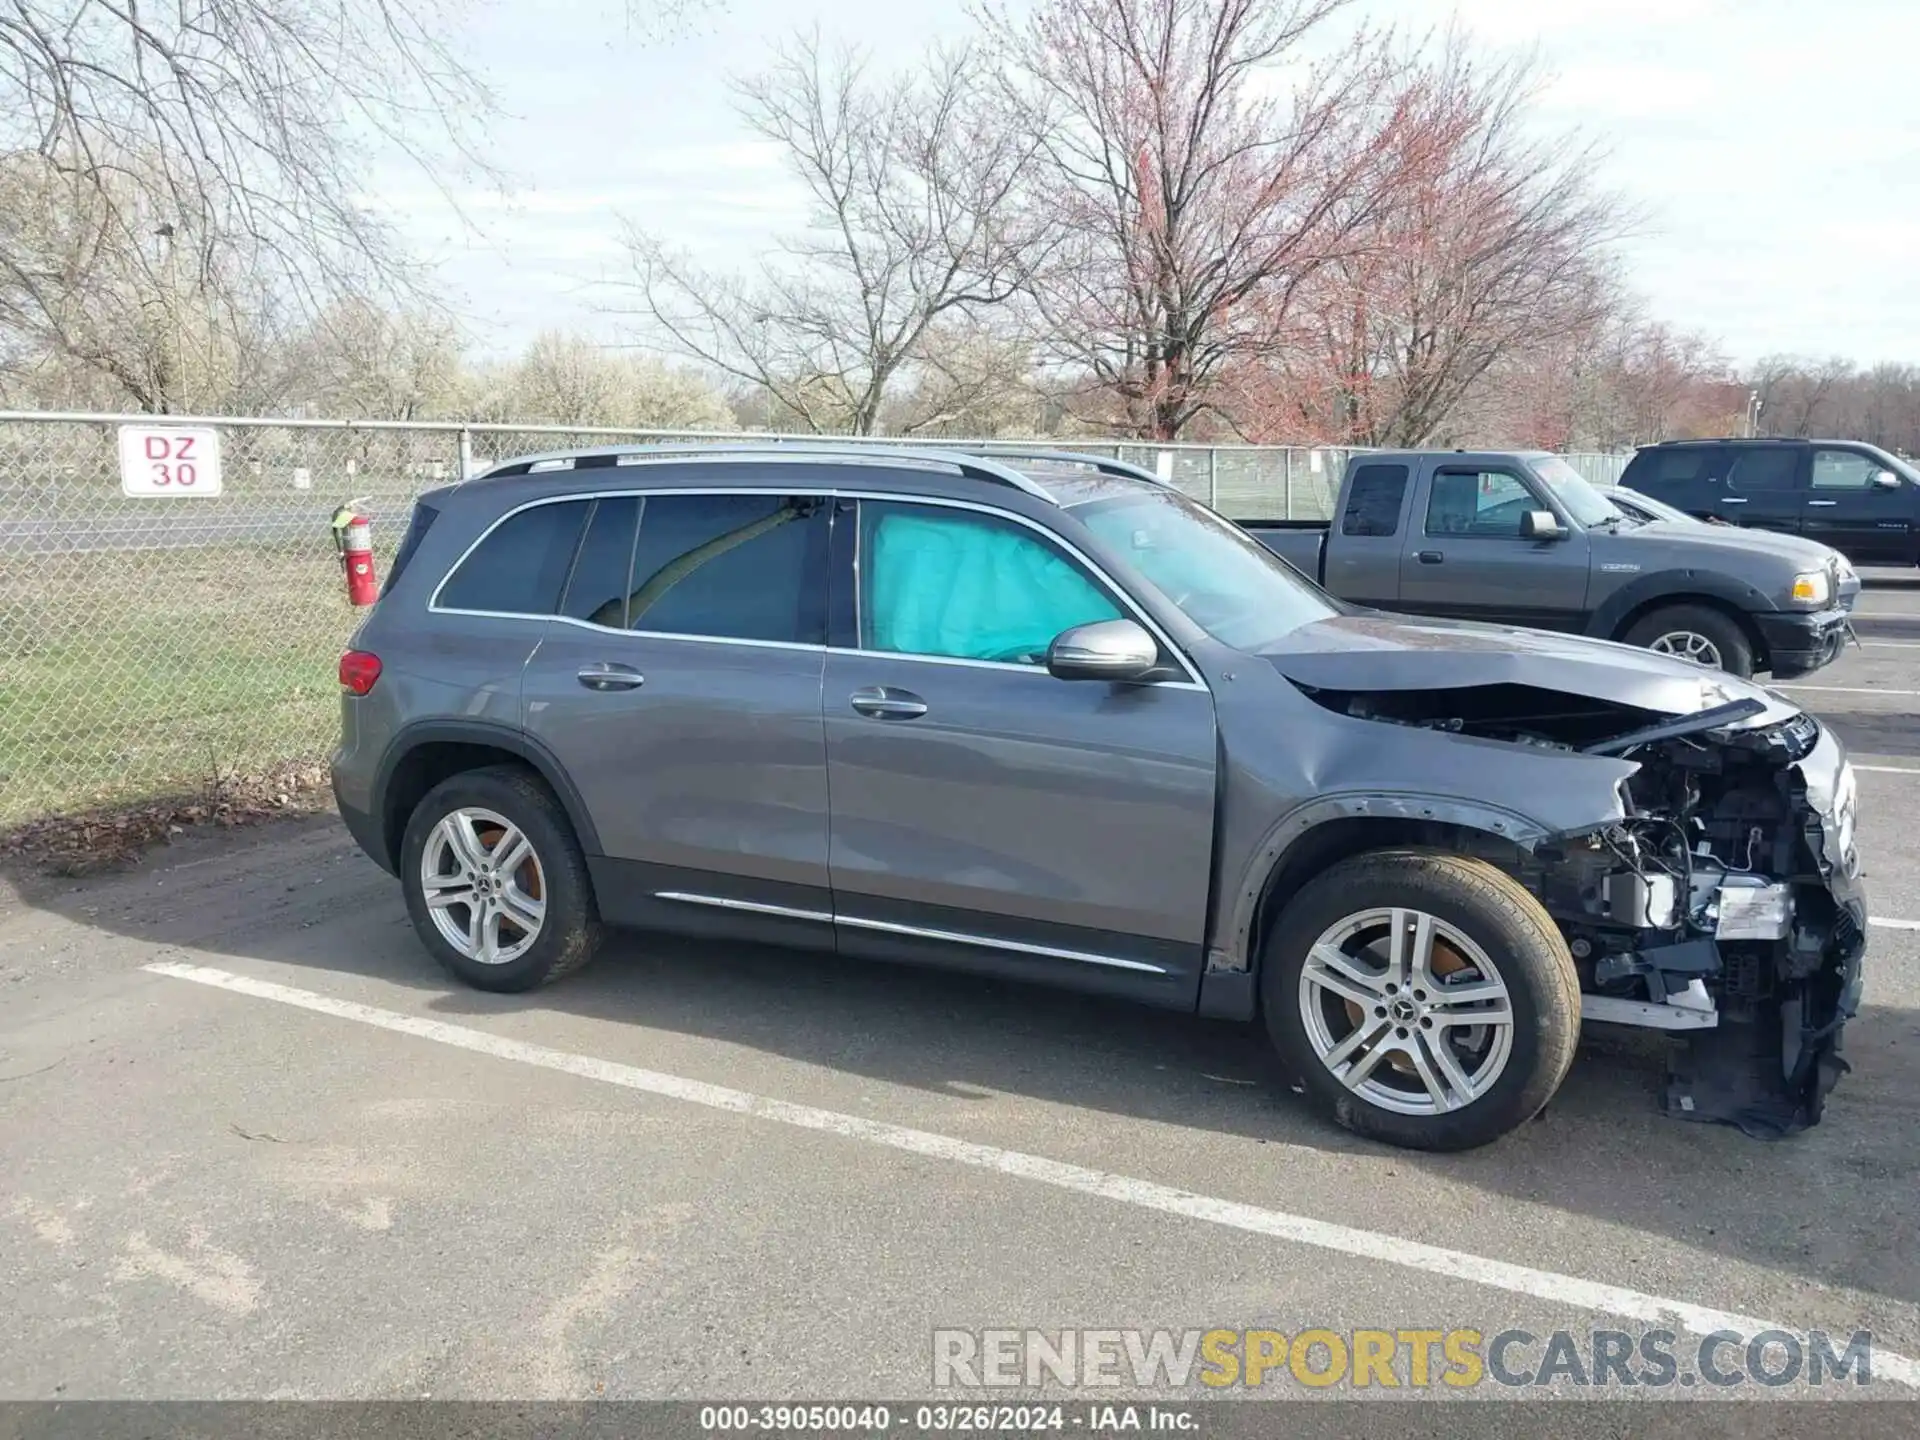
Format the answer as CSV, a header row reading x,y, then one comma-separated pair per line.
x,y
973,589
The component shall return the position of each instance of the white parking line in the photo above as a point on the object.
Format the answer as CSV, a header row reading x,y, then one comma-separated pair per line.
x,y
1891,644
1145,1194
1886,769
1845,690
1894,924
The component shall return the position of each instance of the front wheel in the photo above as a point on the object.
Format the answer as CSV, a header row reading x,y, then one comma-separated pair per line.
x,y
1694,632
496,885
1422,998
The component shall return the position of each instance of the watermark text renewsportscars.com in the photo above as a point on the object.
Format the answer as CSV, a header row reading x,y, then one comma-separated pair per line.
x,y
1398,1359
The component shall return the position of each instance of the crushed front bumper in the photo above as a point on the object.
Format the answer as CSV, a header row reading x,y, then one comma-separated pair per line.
x,y
1772,1077
1800,642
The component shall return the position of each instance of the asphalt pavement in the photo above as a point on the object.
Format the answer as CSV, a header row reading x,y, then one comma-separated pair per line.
x,y
253,1144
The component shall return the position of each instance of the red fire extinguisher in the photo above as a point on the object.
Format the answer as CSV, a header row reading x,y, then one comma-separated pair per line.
x,y
353,537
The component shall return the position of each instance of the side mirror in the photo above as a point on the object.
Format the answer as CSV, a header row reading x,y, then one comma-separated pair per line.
x,y
1541,525
1885,480
1104,650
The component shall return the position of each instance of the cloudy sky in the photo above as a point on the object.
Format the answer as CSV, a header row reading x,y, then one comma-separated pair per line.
x,y
1772,147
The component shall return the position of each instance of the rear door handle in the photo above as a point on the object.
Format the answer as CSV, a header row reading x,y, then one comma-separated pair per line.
x,y
1733,500
1823,502
1430,557
884,702
608,676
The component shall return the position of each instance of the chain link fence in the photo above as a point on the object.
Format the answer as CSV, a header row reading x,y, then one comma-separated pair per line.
x,y
157,646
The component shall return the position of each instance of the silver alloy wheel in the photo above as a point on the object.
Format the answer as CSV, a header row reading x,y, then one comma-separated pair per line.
x,y
1406,1011
1689,645
484,886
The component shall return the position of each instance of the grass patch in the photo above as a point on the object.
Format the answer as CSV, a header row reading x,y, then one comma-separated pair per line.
x,y
126,675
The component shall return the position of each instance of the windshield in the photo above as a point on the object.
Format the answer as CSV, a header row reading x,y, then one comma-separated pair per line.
x,y
1579,499
1228,583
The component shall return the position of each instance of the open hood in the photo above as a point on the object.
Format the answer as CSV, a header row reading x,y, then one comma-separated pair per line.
x,y
1379,653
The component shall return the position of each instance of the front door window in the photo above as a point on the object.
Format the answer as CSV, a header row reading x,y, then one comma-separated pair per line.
x,y
968,586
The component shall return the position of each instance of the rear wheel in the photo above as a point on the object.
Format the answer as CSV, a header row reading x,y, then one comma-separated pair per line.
x,y
1694,632
495,882
1422,998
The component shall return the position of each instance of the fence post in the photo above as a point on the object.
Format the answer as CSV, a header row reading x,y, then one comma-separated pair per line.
x,y
466,454
1286,467
1213,477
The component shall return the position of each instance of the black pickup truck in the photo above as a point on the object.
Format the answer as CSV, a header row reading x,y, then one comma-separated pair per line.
x,y
1521,538
1853,496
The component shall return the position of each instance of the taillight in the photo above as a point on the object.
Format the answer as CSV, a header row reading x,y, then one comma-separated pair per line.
x,y
358,670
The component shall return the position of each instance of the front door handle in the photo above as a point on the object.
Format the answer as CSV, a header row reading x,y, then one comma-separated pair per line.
x,y
1430,557
1823,502
884,702
607,676
1733,500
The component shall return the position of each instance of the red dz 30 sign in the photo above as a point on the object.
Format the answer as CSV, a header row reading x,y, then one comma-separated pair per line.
x,y
169,460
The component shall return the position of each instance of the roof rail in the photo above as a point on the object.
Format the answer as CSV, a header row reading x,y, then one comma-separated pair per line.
x,y
1104,464
974,467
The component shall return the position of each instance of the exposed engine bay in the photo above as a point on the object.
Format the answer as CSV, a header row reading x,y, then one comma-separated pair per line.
x,y
1724,907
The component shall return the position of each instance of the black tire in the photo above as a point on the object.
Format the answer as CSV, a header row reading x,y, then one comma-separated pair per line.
x,y
1496,913
570,929
1714,626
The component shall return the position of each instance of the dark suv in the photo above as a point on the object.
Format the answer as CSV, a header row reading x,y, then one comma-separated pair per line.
x,y
1057,722
1853,496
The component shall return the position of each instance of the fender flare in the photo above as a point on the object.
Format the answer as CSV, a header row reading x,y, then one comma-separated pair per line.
x,y
1232,951
496,736
1677,585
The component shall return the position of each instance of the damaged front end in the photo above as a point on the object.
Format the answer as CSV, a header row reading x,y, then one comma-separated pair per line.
x,y
1730,895
1724,903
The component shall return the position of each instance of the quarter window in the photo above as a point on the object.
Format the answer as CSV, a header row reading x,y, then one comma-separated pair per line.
x,y
1478,502
520,568
967,586
1679,466
736,567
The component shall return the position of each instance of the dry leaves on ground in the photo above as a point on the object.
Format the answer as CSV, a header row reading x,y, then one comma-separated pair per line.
x,y
118,834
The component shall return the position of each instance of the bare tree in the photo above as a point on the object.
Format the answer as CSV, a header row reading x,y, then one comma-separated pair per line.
x,y
357,360
1799,396
193,142
1194,194
913,183
969,381
153,325
565,379
1488,246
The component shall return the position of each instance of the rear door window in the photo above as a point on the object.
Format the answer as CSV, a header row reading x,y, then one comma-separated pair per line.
x,y
1374,498
731,567
521,566
597,593
1764,468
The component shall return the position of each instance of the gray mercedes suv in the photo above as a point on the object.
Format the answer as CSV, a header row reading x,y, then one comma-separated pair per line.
x,y
1048,719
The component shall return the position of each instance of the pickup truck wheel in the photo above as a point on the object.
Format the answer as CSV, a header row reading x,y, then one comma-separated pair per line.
x,y
1696,633
495,882
1423,998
